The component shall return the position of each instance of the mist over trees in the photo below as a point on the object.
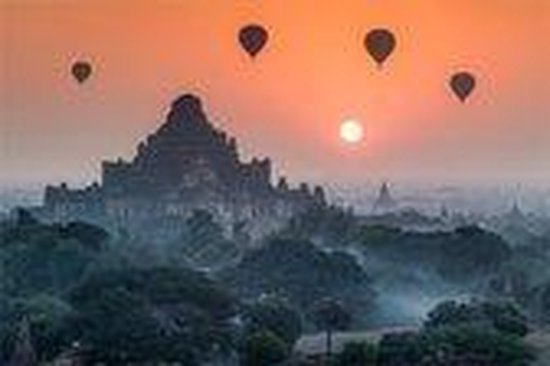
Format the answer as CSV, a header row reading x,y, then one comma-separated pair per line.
x,y
80,291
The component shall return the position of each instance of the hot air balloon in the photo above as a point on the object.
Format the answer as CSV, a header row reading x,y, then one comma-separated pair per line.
x,y
462,84
253,38
81,71
380,43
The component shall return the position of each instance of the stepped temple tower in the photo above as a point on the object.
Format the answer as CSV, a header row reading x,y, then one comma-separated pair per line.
x,y
186,165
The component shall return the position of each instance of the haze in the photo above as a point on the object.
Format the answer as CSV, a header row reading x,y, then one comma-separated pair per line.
x,y
289,102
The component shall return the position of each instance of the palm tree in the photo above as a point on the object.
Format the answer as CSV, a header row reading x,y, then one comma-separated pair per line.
x,y
330,315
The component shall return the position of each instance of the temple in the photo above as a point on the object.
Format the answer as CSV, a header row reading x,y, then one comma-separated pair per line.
x,y
186,165
384,203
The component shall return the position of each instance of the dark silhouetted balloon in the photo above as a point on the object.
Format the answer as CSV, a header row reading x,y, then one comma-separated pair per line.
x,y
462,84
81,71
380,44
253,38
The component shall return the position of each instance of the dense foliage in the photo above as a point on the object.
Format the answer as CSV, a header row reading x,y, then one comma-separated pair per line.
x,y
161,314
53,281
275,315
357,354
303,274
72,288
503,317
36,258
264,349
455,334
461,256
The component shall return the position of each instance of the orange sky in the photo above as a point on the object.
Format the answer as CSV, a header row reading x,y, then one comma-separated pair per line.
x,y
289,102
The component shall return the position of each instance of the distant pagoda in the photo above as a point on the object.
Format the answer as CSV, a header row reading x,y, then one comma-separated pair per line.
x,y
186,165
515,213
384,203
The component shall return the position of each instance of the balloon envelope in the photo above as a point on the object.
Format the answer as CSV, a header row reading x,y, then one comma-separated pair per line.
x,y
253,38
380,44
81,71
462,84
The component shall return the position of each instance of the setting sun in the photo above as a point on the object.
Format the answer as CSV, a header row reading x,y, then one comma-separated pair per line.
x,y
244,183
351,131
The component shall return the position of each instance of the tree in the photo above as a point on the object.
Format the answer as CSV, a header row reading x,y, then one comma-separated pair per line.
x,y
357,354
40,258
501,316
459,257
152,315
474,345
330,316
264,348
456,334
399,349
454,346
275,315
302,274
42,320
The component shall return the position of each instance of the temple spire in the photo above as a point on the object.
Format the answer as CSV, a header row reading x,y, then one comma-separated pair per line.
x,y
384,203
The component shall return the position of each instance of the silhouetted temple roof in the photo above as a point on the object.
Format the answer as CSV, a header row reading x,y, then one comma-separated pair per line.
x,y
187,103
384,201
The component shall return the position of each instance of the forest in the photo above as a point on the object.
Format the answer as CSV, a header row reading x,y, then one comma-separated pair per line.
x,y
76,293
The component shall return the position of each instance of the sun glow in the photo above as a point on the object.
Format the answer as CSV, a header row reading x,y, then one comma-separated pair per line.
x,y
351,131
